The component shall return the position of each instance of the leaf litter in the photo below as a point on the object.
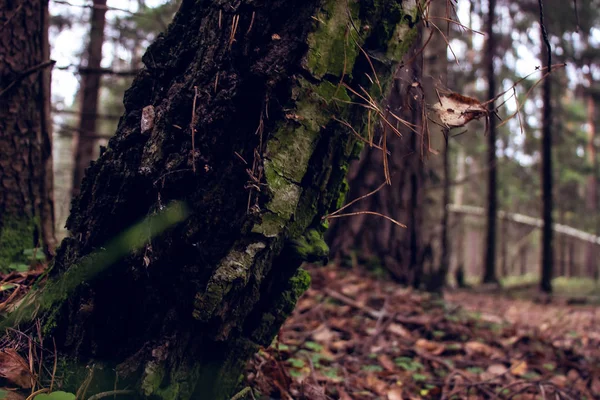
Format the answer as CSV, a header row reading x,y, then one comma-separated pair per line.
x,y
353,336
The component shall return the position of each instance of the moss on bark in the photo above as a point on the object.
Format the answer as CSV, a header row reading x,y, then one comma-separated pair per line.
x,y
16,235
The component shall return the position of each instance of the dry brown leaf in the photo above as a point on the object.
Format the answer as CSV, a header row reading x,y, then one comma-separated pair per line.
x,y
395,394
376,385
595,386
573,375
386,362
399,330
343,395
497,369
324,335
430,347
15,369
482,349
312,391
560,381
12,395
518,367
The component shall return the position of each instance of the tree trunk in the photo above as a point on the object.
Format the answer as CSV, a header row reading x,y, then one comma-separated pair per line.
x,y
435,68
26,208
460,230
232,118
85,148
489,259
547,256
416,253
591,195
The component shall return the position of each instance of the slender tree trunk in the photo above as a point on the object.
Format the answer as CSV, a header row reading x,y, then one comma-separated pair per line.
x,y
547,255
489,259
26,208
90,85
435,68
591,195
232,120
459,239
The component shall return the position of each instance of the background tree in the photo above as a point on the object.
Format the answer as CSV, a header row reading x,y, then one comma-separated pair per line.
x,y
90,91
547,259
26,211
489,264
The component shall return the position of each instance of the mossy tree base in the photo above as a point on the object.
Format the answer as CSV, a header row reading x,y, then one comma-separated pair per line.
x,y
178,317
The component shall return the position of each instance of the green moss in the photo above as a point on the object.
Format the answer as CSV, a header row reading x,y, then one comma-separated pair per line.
x,y
16,235
152,379
311,246
300,283
330,92
402,40
285,193
270,226
356,150
283,305
344,189
331,47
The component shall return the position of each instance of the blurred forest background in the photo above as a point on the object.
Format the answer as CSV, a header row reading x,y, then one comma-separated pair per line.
x,y
98,48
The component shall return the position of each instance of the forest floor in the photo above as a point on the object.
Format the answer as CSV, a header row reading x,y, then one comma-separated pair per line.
x,y
353,336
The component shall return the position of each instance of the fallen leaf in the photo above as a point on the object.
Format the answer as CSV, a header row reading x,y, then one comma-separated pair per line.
x,y
518,367
386,362
395,394
376,385
324,335
6,394
343,395
15,369
399,330
560,381
482,349
595,386
430,347
497,369
315,392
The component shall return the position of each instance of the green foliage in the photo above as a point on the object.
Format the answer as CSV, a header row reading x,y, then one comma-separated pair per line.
x,y
408,364
55,396
371,368
313,346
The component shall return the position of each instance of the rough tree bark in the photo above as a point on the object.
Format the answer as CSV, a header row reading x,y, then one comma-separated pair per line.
x,y
26,210
232,115
90,84
489,258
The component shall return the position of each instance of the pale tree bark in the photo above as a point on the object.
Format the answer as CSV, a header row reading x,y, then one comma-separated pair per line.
x,y
26,208
85,149
232,119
